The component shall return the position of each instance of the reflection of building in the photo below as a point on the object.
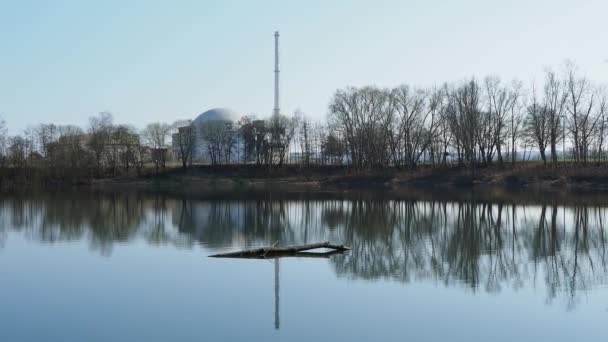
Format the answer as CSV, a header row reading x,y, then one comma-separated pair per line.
x,y
213,129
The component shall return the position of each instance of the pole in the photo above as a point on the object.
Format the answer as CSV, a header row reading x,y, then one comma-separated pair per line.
x,y
276,73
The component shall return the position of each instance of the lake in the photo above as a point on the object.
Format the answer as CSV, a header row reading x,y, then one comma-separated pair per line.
x,y
452,266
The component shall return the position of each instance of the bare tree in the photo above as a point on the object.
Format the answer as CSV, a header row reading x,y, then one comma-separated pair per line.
x,y
582,120
220,138
602,115
515,120
415,123
155,136
500,100
17,152
304,136
442,139
3,143
140,154
320,136
47,134
333,149
185,139
67,155
465,118
537,126
100,128
363,117
554,102
282,130
260,134
247,134
124,140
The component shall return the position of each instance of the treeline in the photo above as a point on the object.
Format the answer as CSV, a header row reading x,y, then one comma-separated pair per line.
x,y
67,153
275,141
470,123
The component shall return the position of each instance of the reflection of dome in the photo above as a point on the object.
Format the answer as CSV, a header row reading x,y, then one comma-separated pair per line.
x,y
217,114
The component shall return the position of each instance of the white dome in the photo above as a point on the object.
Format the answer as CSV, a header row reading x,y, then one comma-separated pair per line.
x,y
217,114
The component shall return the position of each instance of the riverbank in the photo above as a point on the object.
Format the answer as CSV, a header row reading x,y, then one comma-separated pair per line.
x,y
564,176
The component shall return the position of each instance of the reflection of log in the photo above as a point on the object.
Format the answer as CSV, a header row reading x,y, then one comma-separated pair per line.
x,y
277,252
320,255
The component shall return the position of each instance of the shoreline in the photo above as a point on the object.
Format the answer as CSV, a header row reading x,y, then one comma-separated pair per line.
x,y
564,177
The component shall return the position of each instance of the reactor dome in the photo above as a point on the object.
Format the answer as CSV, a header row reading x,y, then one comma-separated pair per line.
x,y
217,114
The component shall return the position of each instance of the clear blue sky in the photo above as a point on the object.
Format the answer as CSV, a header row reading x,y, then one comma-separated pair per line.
x,y
144,61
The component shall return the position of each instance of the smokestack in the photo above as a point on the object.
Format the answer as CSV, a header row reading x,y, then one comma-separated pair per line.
x,y
276,73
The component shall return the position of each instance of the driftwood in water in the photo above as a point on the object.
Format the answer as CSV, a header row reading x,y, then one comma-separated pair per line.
x,y
277,252
317,255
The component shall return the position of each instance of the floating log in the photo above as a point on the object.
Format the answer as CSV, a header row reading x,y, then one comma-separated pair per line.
x,y
276,252
317,255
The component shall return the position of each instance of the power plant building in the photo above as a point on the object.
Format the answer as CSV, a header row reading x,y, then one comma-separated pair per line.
x,y
201,152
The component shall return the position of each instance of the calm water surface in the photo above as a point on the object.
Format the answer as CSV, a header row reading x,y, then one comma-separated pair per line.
x,y
134,267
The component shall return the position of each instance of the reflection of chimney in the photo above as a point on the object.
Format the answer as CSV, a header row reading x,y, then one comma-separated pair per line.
x,y
276,73
276,294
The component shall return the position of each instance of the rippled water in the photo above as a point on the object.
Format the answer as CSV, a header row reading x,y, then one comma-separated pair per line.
x,y
133,267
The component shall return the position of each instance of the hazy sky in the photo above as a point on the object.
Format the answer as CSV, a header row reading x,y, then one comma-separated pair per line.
x,y
144,61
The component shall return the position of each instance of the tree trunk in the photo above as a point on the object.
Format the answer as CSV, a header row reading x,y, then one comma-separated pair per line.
x,y
499,153
278,251
553,149
543,156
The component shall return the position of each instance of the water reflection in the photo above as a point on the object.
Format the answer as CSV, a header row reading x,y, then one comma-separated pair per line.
x,y
478,245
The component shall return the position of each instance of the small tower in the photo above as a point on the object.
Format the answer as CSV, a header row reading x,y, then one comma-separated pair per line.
x,y
276,110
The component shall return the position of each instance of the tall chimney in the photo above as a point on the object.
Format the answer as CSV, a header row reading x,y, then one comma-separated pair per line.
x,y
276,73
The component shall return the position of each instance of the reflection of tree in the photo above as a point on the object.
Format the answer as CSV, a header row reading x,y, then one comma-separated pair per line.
x,y
222,223
102,218
475,244
572,257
